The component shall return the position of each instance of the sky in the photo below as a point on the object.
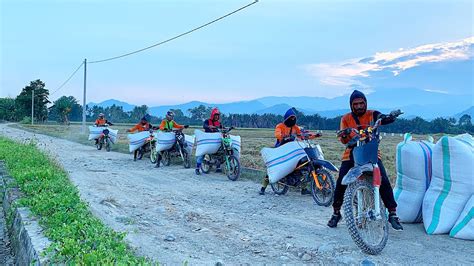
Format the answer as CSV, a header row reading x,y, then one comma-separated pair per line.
x,y
272,48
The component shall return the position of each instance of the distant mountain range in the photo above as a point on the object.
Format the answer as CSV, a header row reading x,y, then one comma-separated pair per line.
x,y
414,102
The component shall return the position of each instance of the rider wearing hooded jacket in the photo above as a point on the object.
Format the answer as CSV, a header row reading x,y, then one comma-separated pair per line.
x,y
210,125
360,118
285,132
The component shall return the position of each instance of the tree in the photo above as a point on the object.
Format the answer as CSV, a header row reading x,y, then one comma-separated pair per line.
x,y
138,112
64,109
200,113
465,120
7,109
23,101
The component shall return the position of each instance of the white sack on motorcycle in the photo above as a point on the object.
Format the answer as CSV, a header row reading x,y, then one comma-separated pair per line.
x,y
452,183
207,143
282,161
165,140
137,140
94,133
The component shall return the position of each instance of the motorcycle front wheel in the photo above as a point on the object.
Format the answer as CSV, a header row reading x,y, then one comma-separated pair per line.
x,y
206,164
107,145
370,233
186,159
233,168
323,195
153,153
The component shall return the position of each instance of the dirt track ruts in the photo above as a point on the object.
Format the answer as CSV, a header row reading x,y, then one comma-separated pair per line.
x,y
173,216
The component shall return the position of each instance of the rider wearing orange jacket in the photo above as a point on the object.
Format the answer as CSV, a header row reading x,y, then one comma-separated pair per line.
x,y
360,118
285,132
143,125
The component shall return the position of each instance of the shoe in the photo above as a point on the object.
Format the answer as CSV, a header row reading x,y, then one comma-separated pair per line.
x,y
197,171
395,222
262,191
335,218
218,170
134,159
305,191
157,165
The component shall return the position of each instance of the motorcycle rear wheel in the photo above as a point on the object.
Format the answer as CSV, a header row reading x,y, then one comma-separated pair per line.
x,y
166,158
279,187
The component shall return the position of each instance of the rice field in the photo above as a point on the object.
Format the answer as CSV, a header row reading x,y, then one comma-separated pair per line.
x,y
253,140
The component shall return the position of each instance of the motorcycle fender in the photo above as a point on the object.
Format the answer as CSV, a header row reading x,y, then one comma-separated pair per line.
x,y
326,164
351,176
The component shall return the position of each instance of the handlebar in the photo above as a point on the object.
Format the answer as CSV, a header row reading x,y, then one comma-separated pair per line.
x,y
347,131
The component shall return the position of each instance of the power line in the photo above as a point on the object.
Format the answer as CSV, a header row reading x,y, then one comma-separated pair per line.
x,y
175,37
68,79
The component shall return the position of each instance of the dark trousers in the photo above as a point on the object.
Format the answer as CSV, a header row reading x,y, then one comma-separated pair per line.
x,y
386,191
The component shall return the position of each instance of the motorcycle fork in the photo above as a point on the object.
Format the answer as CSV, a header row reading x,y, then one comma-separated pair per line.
x,y
377,180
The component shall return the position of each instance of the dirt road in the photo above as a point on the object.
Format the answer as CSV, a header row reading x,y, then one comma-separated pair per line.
x,y
173,216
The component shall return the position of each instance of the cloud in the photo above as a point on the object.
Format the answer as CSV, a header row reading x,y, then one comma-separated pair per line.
x,y
350,73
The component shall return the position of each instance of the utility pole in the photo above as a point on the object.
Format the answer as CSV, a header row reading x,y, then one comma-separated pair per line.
x,y
84,99
32,105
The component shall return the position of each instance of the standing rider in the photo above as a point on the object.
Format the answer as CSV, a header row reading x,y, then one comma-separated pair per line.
x,y
360,118
285,132
143,125
167,125
210,125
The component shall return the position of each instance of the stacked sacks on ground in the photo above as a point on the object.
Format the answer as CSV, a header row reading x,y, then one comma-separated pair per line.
x,y
413,162
95,132
209,143
282,160
448,204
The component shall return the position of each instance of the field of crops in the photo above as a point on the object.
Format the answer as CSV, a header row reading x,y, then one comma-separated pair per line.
x,y
253,140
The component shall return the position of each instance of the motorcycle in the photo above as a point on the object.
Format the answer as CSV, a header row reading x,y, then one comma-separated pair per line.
x,y
312,169
149,146
104,139
366,217
178,150
225,155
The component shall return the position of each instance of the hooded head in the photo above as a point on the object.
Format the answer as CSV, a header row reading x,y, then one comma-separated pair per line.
x,y
144,120
215,114
290,117
358,103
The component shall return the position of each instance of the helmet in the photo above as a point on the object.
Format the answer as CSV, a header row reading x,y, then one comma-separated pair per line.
x,y
170,115
101,115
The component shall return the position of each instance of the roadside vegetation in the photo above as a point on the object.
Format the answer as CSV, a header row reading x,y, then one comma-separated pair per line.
x,y
77,236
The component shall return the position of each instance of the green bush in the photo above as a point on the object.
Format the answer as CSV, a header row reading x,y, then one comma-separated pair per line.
x,y
26,120
77,236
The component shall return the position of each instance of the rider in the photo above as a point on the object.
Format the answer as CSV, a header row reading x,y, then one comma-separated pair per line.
x,y
101,122
361,118
168,124
143,125
210,125
285,132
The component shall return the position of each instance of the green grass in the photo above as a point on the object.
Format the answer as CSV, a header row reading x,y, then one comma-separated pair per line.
x,y
77,236
253,140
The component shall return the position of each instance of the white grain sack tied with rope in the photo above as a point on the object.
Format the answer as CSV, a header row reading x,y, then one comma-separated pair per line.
x,y
165,140
207,143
